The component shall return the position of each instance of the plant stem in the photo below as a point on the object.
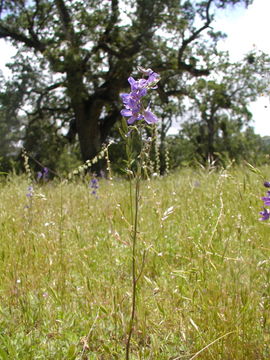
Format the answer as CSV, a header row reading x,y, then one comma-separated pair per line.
x,y
134,279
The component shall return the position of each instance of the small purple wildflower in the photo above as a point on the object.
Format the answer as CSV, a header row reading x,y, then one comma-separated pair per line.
x,y
134,108
266,184
39,175
266,199
265,214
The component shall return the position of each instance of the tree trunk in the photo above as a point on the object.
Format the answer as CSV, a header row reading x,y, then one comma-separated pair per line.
x,y
87,116
93,129
87,112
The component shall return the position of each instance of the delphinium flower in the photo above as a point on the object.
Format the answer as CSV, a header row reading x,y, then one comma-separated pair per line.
x,y
136,111
265,213
30,192
134,108
94,186
29,206
43,174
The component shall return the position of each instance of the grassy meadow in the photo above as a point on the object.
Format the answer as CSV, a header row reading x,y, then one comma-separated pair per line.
x,y
65,265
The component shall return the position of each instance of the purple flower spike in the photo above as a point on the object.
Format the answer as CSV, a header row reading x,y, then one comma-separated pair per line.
x,y
44,174
134,108
94,186
265,214
30,191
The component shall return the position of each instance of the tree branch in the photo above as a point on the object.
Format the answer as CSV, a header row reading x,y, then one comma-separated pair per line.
x,y
34,43
188,67
66,20
164,95
45,92
113,18
196,33
192,70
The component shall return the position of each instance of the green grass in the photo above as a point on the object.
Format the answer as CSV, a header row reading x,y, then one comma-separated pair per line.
x,y
65,265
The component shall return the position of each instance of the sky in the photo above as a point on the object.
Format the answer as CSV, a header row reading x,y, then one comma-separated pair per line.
x,y
246,29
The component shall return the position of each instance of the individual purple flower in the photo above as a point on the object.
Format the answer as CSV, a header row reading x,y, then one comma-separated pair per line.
x,y
139,87
153,77
266,199
149,117
153,80
265,214
266,184
39,175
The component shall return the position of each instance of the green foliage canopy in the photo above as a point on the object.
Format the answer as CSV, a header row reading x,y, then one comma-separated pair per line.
x,y
74,57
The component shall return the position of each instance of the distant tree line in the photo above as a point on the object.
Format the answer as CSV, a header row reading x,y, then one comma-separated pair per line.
x,y
73,60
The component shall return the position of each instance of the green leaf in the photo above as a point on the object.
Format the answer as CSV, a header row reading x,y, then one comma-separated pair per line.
x,y
255,170
124,125
103,309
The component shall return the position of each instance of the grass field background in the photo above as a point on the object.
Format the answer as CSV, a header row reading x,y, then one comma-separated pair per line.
x,y
65,265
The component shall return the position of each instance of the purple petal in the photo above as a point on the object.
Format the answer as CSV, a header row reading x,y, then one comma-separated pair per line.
x,y
266,201
134,105
126,112
153,77
133,83
145,71
132,119
149,117
125,97
141,92
142,83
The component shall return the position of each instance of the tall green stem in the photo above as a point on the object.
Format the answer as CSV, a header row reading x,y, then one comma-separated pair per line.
x,y
135,220
134,278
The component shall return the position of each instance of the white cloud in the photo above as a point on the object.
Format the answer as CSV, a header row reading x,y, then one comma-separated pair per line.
x,y
246,28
